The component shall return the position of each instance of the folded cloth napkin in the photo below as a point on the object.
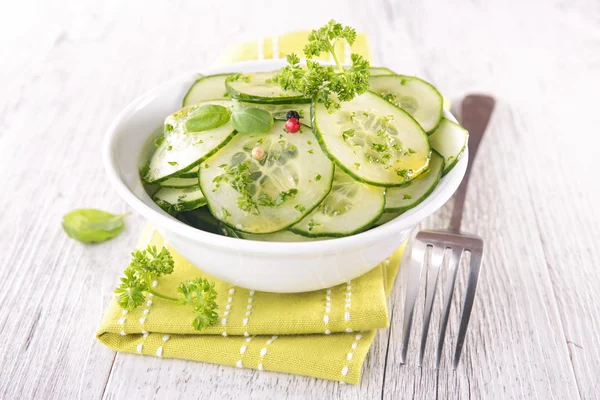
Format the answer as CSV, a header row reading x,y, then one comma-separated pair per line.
x,y
324,334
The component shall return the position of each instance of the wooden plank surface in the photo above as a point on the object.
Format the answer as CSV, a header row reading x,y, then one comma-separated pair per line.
x,y
67,68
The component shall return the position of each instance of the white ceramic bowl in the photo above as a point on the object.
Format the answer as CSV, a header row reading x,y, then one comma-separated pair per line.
x,y
271,267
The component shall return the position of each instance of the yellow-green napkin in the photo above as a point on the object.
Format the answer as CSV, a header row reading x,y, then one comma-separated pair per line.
x,y
324,334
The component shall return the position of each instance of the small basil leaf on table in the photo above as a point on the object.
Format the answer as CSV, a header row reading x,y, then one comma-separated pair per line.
x,y
207,117
89,225
252,120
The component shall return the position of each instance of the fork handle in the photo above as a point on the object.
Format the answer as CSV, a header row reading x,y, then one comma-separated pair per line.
x,y
475,112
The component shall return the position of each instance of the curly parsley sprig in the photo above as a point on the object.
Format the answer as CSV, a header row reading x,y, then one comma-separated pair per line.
x,y
150,264
200,294
325,80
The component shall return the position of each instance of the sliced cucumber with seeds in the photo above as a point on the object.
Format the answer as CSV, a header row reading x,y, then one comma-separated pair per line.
x,y
450,140
400,199
192,173
280,111
177,182
180,150
349,208
270,194
372,140
377,71
257,88
210,87
175,200
281,236
417,97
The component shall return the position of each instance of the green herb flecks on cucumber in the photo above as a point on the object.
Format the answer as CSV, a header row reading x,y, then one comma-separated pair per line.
x,y
272,192
349,208
174,200
181,150
415,96
450,140
372,140
400,199
259,88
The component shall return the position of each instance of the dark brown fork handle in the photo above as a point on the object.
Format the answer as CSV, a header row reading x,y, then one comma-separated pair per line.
x,y
476,111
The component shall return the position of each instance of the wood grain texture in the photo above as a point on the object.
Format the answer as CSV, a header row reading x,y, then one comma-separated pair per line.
x,y
68,67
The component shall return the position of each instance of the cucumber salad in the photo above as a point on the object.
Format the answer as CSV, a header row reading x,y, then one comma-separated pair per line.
x,y
307,152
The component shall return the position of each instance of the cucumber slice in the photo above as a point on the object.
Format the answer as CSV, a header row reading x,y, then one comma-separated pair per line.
x,y
280,111
175,200
349,208
257,88
447,104
450,140
228,231
210,87
281,236
202,219
269,195
177,182
417,97
400,199
387,217
372,140
192,173
180,151
377,71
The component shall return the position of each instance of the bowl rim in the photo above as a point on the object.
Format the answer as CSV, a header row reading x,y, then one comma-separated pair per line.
x,y
441,194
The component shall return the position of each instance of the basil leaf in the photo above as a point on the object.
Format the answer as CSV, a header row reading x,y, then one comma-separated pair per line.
x,y
89,225
252,120
208,117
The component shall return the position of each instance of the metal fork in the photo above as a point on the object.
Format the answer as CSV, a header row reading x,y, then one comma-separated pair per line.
x,y
476,112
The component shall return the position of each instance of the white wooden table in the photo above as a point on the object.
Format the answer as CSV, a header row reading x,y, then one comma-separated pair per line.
x,y
67,68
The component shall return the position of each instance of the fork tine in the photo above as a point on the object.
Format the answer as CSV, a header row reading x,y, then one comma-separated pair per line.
x,y
414,268
437,256
453,266
474,269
